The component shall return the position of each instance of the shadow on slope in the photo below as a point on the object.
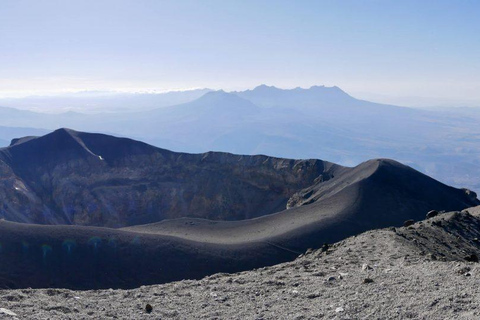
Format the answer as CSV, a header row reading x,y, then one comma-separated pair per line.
x,y
69,177
87,257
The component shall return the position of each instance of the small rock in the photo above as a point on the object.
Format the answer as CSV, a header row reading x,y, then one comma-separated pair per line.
x,y
432,213
463,270
339,309
367,280
324,247
408,223
331,279
472,195
148,308
366,267
437,223
471,258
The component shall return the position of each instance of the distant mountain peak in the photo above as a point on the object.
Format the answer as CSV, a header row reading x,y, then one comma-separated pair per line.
x,y
217,93
334,89
225,99
59,140
63,131
265,87
322,87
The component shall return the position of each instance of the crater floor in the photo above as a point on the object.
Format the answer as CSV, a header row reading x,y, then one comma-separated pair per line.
x,y
418,272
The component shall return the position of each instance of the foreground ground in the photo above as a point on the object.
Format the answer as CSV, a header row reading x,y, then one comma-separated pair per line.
x,y
419,272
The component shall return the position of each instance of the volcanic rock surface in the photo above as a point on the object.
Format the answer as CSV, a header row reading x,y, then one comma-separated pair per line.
x,y
416,272
69,177
75,178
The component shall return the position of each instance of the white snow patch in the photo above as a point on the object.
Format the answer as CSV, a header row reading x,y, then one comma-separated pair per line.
x,y
19,186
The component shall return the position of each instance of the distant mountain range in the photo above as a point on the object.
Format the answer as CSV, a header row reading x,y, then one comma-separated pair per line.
x,y
315,97
319,122
261,210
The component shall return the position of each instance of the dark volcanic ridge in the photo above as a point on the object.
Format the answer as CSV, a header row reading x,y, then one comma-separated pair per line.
x,y
424,271
69,177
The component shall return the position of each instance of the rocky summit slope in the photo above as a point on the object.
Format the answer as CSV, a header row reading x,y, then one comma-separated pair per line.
x,y
425,271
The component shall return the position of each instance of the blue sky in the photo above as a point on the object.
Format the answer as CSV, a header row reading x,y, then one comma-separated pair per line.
x,y
390,49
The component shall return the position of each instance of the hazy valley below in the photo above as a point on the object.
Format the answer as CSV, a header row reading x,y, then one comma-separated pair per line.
x,y
320,122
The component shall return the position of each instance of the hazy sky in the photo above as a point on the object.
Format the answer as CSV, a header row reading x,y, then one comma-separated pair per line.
x,y
388,48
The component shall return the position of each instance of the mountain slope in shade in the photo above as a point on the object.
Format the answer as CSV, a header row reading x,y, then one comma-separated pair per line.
x,y
69,177
90,257
375,194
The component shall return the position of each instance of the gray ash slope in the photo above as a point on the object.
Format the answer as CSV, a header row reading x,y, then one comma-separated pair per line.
x,y
418,272
337,202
